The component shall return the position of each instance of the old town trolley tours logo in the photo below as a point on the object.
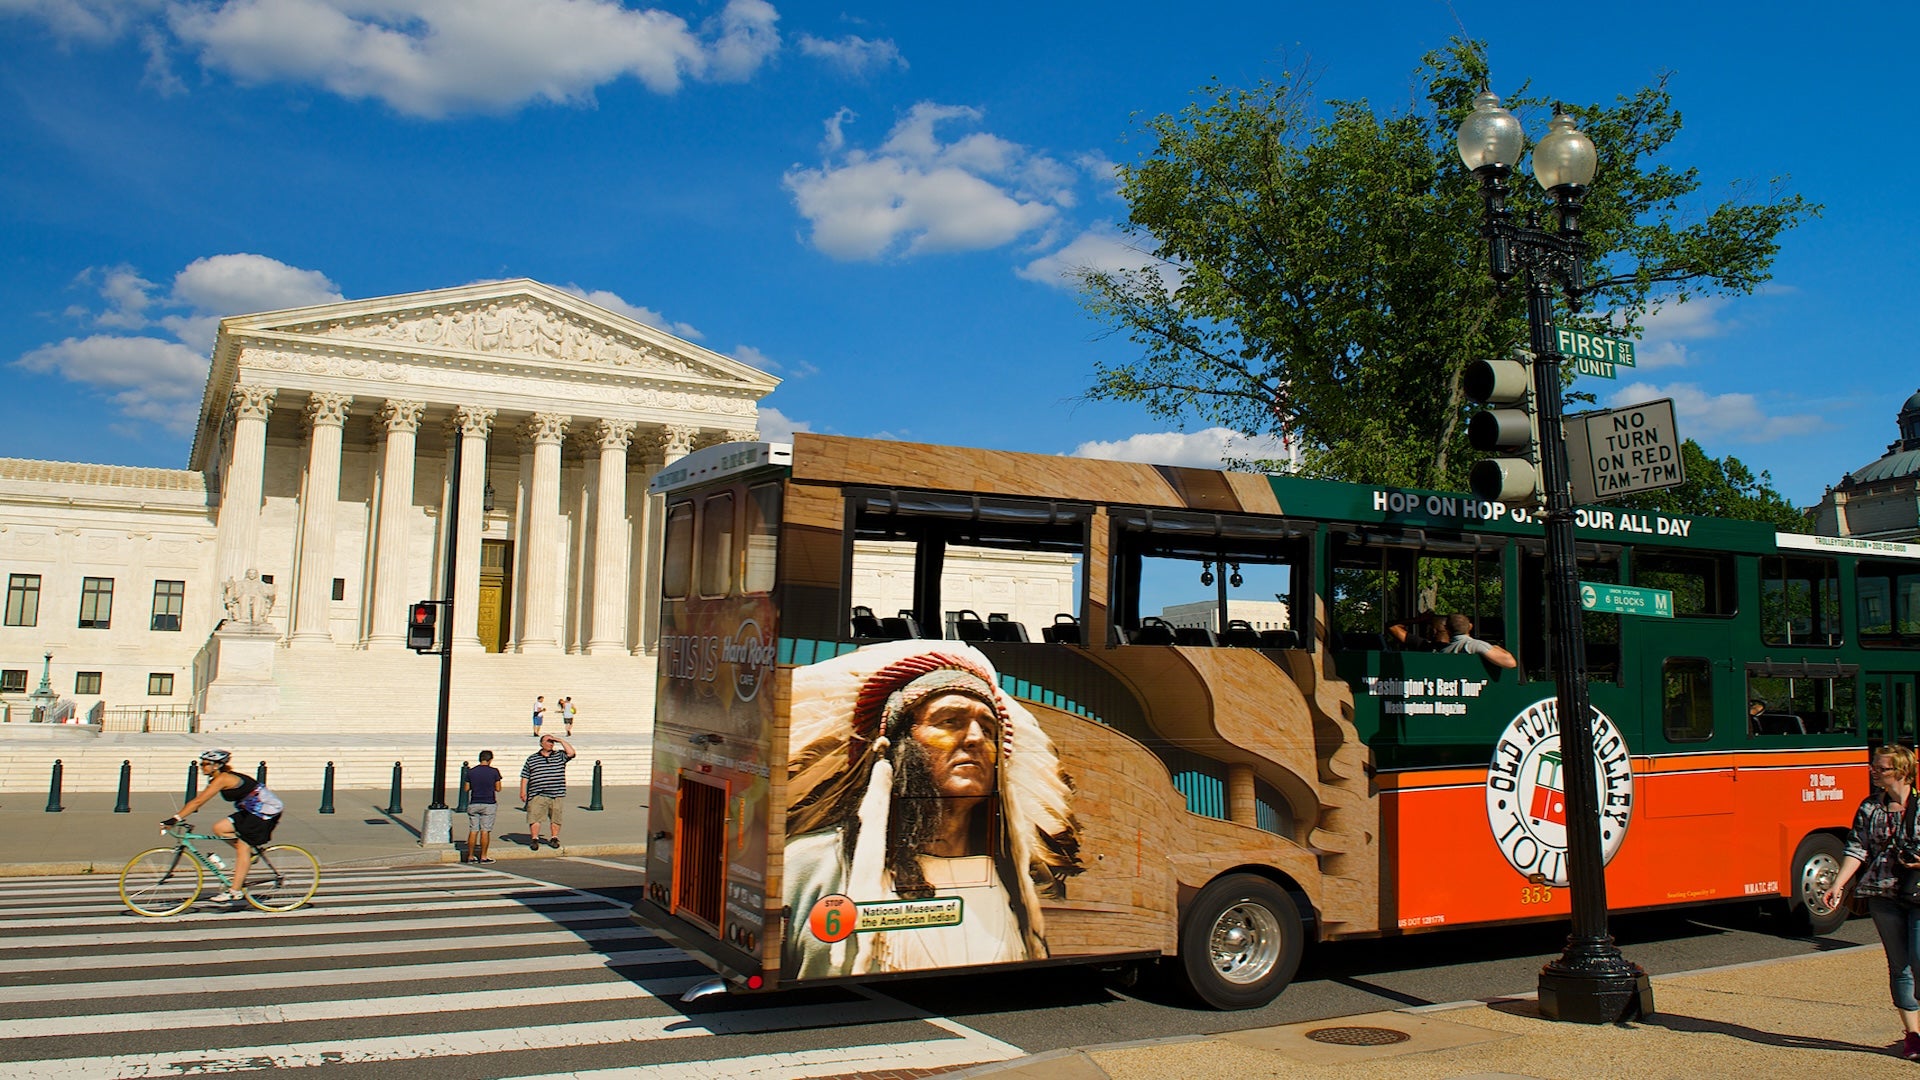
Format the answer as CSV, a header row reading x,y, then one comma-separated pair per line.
x,y
1527,791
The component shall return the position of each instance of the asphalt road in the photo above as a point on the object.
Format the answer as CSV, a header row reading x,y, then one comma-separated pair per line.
x,y
1054,1008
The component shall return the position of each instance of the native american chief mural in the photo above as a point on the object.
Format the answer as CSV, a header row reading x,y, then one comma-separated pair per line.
x,y
927,815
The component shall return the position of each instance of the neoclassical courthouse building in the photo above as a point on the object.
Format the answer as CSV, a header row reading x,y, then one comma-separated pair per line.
x,y
322,465
321,472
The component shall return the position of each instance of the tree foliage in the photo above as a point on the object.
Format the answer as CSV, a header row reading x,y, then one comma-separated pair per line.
x,y
1723,487
1320,270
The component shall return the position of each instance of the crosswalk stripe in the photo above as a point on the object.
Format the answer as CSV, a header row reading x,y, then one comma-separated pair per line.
x,y
318,950
283,928
463,1043
24,889
799,1064
279,980
295,1012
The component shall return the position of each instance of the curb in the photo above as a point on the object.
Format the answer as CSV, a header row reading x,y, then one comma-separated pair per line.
x,y
399,858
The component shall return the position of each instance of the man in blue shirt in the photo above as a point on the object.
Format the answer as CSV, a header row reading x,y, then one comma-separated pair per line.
x,y
483,801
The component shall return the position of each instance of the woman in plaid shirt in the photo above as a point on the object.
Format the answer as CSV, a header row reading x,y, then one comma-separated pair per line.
x,y
1874,855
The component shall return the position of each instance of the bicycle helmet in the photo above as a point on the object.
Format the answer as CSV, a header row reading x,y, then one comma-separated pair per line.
x,y
215,757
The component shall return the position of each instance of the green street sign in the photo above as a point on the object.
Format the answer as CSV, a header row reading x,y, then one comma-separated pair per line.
x,y
1626,599
1592,354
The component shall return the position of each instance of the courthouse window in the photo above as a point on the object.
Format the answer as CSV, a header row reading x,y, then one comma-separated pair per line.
x,y
13,681
96,602
160,684
86,682
169,600
23,599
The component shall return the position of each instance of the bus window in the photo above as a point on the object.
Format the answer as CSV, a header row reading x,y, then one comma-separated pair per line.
x,y
923,554
1687,698
1888,604
1799,601
1593,562
763,529
1177,570
1801,699
716,545
676,576
1382,581
1701,584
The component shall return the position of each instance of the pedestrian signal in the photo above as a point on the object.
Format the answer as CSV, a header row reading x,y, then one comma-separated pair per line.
x,y
1509,428
420,623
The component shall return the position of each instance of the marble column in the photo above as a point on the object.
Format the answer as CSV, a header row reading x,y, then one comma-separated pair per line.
x,y
471,426
610,556
326,417
676,443
545,545
400,420
242,482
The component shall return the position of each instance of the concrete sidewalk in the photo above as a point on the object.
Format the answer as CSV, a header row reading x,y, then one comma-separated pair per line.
x,y
87,837
1827,1014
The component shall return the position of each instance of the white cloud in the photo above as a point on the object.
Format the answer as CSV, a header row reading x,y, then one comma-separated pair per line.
x,y
613,303
1213,448
754,358
158,379
852,54
1101,248
1666,329
1707,417
919,194
775,426
430,58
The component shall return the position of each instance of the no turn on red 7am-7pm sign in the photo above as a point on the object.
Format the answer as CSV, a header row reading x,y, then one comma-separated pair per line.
x,y
1617,452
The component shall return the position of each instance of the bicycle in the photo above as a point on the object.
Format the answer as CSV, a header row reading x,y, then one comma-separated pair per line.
x,y
166,881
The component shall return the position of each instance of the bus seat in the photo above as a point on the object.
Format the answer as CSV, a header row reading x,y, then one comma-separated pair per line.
x,y
1064,631
1492,629
864,623
1196,636
1360,641
1240,634
1773,723
1818,723
1279,639
1152,631
903,625
1001,628
967,626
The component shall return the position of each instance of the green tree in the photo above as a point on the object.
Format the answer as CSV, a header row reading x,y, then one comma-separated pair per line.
x,y
1320,271
1723,487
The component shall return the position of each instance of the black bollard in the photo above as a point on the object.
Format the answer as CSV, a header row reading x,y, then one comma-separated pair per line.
x,y
193,781
53,791
462,808
393,803
124,804
263,774
326,790
594,803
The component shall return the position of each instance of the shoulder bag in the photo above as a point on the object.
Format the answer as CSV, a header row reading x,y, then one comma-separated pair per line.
x,y
1907,883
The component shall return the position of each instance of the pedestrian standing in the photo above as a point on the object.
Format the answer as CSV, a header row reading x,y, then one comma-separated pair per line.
x,y
566,714
543,784
483,802
1882,844
539,714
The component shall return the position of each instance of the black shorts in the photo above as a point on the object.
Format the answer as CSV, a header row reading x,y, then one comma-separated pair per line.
x,y
254,830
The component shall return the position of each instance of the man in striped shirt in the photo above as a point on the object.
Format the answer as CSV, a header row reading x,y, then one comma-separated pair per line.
x,y
543,783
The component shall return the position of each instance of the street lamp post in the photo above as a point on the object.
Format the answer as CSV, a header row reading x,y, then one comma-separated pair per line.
x,y
1591,982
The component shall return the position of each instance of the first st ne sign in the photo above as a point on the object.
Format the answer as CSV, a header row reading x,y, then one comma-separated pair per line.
x,y
1620,451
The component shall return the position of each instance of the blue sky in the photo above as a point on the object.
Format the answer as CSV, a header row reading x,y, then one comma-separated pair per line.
x,y
872,201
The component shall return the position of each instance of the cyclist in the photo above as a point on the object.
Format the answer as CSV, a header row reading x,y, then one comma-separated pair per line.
x,y
257,810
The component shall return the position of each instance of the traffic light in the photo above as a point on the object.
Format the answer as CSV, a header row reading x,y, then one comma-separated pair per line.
x,y
1508,428
420,622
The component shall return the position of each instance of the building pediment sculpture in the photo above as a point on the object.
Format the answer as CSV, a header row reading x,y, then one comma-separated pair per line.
x,y
248,600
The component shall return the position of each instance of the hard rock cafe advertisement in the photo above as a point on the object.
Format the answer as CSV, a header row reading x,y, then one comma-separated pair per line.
x,y
715,726
927,815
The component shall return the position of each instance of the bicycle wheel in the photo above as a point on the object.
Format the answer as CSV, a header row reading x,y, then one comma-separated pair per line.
x,y
284,876
161,881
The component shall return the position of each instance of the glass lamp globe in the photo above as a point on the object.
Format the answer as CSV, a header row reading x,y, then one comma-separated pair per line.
x,y
1565,156
1489,135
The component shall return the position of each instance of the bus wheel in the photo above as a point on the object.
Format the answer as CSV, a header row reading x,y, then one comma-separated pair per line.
x,y
1815,866
1240,943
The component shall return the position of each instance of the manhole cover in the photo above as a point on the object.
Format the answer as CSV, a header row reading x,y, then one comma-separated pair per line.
x,y
1358,1036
